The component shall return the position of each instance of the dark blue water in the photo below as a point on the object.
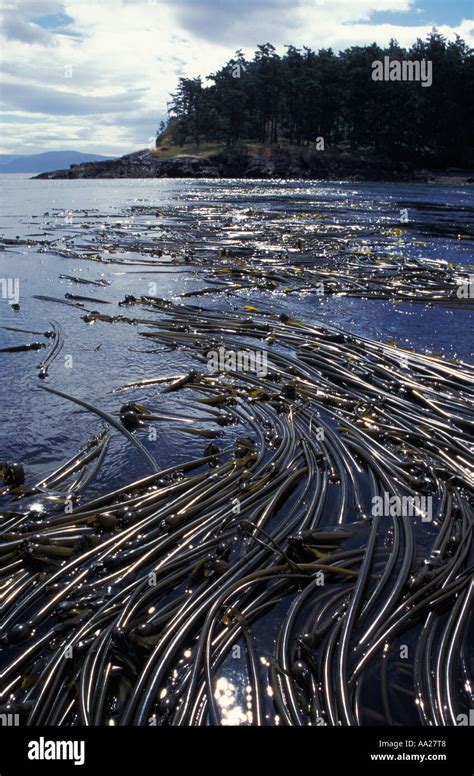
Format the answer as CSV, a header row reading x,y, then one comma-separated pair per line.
x,y
346,219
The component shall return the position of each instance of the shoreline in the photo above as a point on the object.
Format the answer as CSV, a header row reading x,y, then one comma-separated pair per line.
x,y
261,164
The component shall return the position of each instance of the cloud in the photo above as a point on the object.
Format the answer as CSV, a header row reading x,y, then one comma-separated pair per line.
x,y
245,22
103,86
17,21
26,32
33,7
41,99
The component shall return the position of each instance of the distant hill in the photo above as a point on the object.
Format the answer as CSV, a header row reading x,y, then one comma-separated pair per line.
x,y
45,162
5,158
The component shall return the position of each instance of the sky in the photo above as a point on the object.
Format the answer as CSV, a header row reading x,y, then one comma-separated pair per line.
x,y
95,75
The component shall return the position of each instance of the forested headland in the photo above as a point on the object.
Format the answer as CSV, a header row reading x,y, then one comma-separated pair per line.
x,y
293,99
317,115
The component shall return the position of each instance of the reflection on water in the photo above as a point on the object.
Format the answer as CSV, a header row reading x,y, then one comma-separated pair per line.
x,y
232,712
166,239
154,227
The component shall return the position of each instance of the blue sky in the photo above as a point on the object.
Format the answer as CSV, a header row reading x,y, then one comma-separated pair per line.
x,y
95,75
431,12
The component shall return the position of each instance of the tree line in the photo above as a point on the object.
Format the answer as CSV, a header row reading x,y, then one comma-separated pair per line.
x,y
304,94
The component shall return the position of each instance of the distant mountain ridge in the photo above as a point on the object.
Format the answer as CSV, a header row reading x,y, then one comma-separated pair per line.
x,y
46,162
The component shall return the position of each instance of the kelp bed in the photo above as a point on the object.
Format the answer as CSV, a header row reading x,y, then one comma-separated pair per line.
x,y
253,584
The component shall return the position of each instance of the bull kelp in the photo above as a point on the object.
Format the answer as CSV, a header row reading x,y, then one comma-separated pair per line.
x,y
306,558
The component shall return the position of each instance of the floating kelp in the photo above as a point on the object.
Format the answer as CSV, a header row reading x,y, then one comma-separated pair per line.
x,y
23,348
311,564
291,252
85,281
55,350
140,605
78,298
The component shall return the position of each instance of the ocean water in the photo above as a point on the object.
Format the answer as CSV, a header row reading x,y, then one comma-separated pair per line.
x,y
162,238
203,216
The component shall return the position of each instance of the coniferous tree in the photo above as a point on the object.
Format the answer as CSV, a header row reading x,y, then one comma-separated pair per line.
x,y
304,94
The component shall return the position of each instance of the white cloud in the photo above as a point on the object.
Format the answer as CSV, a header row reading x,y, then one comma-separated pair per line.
x,y
34,7
26,32
124,57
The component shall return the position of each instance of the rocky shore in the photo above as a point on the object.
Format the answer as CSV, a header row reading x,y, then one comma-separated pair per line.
x,y
272,162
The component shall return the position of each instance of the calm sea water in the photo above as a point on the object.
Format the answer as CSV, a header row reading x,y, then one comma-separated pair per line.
x,y
42,430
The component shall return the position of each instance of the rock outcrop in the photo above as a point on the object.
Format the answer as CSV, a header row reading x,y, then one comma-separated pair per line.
x,y
142,164
272,162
